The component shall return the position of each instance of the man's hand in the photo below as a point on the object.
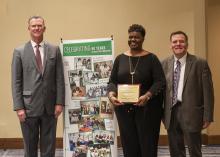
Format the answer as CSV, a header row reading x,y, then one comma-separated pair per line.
x,y
205,125
58,110
21,115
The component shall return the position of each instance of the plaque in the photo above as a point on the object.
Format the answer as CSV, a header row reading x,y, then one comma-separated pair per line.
x,y
128,93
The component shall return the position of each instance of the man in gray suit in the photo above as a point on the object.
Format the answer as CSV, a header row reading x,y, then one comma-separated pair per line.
x,y
189,98
38,90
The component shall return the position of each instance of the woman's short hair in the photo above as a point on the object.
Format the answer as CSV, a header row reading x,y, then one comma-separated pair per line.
x,y
137,28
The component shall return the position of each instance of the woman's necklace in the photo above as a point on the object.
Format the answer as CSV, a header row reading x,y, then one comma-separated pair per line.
x,y
134,70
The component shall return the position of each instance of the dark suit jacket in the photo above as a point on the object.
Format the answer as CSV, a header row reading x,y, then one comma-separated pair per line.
x,y
197,97
33,91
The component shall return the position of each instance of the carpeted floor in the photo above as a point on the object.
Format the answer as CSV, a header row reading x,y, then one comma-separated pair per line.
x,y
208,151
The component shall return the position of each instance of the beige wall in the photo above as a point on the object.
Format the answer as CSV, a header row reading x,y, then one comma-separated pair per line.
x,y
79,19
213,41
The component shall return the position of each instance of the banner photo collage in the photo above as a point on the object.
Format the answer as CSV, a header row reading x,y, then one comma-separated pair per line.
x,y
89,121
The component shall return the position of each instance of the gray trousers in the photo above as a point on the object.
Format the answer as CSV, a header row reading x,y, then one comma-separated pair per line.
x,y
177,135
41,128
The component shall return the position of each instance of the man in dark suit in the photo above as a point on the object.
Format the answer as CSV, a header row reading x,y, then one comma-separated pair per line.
x,y
189,98
38,90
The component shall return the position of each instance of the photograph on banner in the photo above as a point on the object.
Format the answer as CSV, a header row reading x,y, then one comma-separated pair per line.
x,y
78,143
106,109
91,123
109,124
103,66
80,152
99,150
76,84
90,77
72,114
89,107
75,78
103,136
83,63
71,138
96,90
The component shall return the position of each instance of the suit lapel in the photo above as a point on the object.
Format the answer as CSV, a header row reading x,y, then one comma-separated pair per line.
x,y
189,62
170,73
170,77
45,57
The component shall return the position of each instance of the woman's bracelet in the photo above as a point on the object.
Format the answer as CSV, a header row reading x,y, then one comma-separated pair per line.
x,y
148,97
110,97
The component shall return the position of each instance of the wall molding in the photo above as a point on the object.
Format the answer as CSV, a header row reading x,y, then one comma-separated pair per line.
x,y
17,143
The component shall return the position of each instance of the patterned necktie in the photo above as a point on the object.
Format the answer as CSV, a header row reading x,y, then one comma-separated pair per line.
x,y
176,78
38,59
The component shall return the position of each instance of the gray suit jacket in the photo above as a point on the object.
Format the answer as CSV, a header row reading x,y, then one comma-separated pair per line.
x,y
197,97
33,91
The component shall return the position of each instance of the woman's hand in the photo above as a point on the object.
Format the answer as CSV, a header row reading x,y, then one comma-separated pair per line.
x,y
143,99
115,101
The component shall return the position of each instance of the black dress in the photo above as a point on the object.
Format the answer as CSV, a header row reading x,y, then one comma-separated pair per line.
x,y
139,125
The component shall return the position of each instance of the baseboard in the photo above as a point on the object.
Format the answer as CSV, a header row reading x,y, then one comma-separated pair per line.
x,y
17,143
163,141
214,139
206,140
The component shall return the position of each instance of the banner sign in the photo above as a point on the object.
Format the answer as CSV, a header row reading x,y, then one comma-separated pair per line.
x,y
89,122
88,48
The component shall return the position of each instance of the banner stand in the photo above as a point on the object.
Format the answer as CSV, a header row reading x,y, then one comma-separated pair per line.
x,y
89,120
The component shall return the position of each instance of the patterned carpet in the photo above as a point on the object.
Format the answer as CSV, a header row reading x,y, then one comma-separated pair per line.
x,y
208,151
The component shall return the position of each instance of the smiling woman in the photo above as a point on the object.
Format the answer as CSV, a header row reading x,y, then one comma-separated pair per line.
x,y
139,122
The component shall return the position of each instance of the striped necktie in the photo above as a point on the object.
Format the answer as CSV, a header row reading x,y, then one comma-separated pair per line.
x,y
38,59
176,78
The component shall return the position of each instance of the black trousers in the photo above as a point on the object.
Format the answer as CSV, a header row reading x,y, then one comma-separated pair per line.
x,y
177,135
41,128
139,129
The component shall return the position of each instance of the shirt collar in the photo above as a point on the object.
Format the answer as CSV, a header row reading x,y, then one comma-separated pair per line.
x,y
34,44
182,60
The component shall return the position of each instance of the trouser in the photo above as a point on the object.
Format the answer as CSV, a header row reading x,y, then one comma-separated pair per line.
x,y
43,128
177,135
139,129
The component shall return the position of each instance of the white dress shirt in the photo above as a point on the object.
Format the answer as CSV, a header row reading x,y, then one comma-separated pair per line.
x,y
182,72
